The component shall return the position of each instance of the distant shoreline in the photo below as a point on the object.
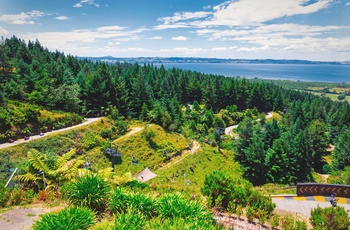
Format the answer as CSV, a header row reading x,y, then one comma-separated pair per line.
x,y
168,60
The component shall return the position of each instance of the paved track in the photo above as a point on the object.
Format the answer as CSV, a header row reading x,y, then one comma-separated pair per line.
x,y
20,141
304,205
230,128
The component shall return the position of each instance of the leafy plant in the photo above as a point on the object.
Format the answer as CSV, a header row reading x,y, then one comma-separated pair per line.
x,y
52,168
4,195
330,218
275,221
68,219
123,200
178,223
177,206
89,191
132,219
16,196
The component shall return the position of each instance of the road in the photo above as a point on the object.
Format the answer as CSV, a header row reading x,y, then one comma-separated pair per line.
x,y
303,207
20,141
229,129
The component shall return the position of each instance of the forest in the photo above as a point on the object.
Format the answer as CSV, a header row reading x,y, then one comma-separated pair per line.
x,y
287,150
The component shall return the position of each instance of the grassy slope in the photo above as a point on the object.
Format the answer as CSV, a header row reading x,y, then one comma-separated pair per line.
x,y
196,164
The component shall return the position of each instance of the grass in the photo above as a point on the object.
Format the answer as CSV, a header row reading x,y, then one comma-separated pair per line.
x,y
276,189
148,151
189,174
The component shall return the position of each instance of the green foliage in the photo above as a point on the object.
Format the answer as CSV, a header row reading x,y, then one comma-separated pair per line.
x,y
132,219
122,201
330,218
178,223
219,187
90,191
262,205
341,156
69,218
287,223
4,195
341,97
56,169
274,221
177,206
16,196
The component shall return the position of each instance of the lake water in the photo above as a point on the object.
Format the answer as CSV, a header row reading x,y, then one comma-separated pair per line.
x,y
293,72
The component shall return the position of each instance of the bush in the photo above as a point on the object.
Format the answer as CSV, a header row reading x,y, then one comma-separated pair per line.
x,y
4,195
178,223
89,191
29,196
16,196
68,219
132,219
330,218
225,192
122,201
176,206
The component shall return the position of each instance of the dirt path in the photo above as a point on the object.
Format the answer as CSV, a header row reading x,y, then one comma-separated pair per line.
x,y
183,155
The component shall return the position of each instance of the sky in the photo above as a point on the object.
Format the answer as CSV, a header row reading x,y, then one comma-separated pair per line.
x,y
249,29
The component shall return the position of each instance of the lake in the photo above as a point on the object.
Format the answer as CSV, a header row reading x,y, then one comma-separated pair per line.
x,y
293,72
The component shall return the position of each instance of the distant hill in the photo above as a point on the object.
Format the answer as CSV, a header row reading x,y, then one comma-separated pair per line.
x,y
208,60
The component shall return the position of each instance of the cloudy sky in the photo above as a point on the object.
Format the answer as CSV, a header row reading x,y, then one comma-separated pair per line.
x,y
278,29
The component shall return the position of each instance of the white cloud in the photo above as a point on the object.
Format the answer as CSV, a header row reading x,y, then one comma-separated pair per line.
x,y
184,51
86,2
219,49
156,38
252,12
63,18
110,28
3,31
171,26
347,4
268,31
179,38
184,16
22,18
243,12
253,49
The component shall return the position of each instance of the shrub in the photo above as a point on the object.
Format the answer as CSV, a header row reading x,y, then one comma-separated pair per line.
x,y
262,205
176,206
275,221
178,223
330,218
29,196
16,196
4,195
68,219
225,192
132,219
89,191
122,201
218,186
287,223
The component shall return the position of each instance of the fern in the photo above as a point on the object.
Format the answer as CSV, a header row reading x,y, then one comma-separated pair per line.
x,y
37,160
61,161
63,169
28,177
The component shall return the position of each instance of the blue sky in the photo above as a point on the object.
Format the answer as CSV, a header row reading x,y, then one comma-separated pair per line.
x,y
277,29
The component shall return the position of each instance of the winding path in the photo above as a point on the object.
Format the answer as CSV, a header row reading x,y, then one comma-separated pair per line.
x,y
20,141
230,128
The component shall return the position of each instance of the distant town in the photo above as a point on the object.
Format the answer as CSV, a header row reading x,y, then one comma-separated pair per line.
x,y
208,60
